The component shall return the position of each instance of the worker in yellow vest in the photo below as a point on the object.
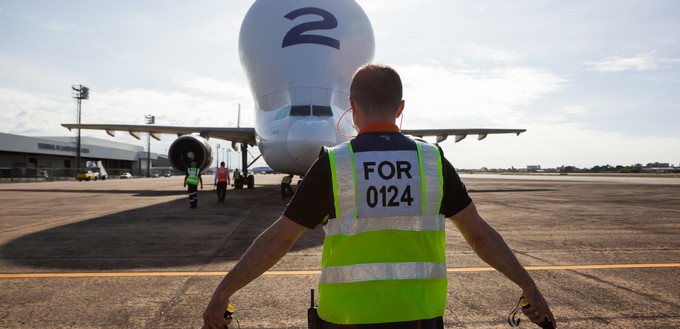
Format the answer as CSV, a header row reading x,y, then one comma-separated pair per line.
x,y
237,177
286,190
192,179
382,199
221,181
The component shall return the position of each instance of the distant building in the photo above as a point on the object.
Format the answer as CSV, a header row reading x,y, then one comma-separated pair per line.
x,y
531,168
659,165
23,156
659,168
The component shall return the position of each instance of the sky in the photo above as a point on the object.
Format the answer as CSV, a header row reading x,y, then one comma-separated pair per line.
x,y
593,82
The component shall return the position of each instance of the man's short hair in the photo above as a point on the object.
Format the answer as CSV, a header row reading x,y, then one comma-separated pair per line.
x,y
222,163
377,88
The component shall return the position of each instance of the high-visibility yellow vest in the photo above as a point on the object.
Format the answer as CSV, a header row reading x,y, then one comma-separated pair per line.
x,y
193,176
383,255
286,180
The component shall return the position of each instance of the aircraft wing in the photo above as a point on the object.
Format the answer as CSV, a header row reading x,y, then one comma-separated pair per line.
x,y
247,134
460,134
235,134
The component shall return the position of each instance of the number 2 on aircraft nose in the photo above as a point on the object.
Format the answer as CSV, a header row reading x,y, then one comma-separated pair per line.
x,y
296,34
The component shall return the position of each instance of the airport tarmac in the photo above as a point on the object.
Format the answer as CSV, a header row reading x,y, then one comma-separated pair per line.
x,y
131,254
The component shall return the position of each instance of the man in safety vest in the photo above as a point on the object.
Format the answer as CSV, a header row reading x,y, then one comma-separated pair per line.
x,y
382,199
192,179
237,176
286,190
221,181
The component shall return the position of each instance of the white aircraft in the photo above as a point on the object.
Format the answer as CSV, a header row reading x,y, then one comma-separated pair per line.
x,y
299,57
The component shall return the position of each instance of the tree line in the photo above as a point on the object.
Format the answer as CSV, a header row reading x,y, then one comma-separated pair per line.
x,y
631,169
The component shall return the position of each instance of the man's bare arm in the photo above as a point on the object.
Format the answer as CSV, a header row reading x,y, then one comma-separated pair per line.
x,y
492,249
263,253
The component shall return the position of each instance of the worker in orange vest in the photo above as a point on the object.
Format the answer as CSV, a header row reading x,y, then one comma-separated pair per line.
x,y
221,181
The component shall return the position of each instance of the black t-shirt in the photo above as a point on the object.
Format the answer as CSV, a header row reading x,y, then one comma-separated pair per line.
x,y
313,199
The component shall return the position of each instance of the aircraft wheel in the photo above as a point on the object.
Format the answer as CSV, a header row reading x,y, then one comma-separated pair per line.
x,y
251,181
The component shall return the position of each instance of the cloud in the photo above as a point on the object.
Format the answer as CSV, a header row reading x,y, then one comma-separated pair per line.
x,y
38,76
223,88
552,141
488,54
31,113
506,97
42,114
169,107
381,6
641,62
56,26
577,109
455,97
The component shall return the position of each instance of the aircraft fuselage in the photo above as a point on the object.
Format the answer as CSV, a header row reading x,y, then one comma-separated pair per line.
x,y
299,57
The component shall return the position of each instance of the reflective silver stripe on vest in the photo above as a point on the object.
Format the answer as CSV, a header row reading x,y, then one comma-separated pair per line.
x,y
431,177
352,226
344,173
383,271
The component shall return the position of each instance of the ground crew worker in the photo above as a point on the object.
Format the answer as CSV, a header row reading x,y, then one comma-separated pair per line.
x,y
192,179
221,181
237,176
382,199
286,190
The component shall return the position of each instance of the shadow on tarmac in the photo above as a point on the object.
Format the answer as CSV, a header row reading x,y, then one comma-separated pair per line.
x,y
164,235
143,193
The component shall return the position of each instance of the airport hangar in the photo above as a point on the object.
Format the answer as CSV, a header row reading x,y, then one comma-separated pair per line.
x,y
41,158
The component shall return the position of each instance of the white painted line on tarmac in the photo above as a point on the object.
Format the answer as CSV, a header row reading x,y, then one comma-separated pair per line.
x,y
317,272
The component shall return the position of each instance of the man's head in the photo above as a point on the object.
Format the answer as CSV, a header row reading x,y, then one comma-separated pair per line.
x,y
193,164
222,164
376,89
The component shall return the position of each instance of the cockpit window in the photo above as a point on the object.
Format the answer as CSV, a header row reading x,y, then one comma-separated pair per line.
x,y
300,110
282,114
307,110
322,111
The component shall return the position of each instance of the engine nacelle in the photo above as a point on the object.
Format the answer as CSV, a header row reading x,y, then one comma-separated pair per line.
x,y
188,148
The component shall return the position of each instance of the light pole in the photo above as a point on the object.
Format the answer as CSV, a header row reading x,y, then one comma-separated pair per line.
x,y
150,119
217,158
81,92
228,160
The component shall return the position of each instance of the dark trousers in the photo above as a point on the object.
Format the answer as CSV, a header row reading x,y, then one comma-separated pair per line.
x,y
286,191
193,195
221,191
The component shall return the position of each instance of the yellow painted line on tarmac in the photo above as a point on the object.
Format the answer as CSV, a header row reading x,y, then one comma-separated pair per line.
x,y
105,274
136,274
601,267
569,267
316,272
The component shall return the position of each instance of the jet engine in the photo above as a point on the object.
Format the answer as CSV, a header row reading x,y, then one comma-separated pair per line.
x,y
188,148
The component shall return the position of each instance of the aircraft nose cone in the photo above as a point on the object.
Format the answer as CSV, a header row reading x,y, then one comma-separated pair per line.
x,y
307,137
